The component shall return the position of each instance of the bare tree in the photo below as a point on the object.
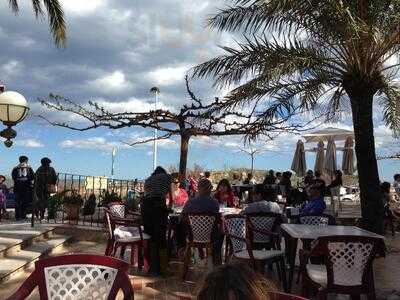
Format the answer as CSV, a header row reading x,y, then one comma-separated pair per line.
x,y
191,120
252,152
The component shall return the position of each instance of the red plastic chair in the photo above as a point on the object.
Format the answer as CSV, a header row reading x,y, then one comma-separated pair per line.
x,y
124,233
77,276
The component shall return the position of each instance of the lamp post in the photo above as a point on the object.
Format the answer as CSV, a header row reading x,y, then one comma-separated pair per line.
x,y
13,109
155,91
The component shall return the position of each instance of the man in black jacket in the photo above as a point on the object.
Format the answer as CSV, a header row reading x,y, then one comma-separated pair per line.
x,y
23,177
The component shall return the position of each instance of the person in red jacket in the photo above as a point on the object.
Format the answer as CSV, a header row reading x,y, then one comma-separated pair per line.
x,y
224,194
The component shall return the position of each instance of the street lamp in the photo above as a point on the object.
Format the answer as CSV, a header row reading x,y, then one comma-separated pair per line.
x,y
155,91
13,109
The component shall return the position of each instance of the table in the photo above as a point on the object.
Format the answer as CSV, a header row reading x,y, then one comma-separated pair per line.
x,y
294,232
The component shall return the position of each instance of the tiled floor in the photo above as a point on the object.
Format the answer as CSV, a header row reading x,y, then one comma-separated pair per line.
x,y
387,272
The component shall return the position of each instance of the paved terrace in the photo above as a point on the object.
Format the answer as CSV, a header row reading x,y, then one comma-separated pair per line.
x,y
387,270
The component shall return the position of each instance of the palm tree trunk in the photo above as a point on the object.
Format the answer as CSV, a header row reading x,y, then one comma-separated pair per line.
x,y
370,193
183,155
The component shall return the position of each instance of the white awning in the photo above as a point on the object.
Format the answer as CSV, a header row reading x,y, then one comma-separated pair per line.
x,y
326,134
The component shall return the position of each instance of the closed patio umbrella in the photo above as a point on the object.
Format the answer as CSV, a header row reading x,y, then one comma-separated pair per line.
x,y
348,157
299,160
330,159
320,159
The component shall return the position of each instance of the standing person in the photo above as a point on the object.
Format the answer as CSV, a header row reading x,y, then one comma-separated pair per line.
x,y
155,218
192,186
3,195
45,181
23,177
270,178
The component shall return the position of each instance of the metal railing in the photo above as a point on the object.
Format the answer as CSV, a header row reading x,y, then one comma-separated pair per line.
x,y
86,185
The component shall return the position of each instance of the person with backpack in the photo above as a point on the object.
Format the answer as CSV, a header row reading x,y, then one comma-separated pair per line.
x,y
45,181
23,177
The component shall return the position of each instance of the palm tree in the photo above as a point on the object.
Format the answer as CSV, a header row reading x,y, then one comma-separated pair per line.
x,y
55,16
328,57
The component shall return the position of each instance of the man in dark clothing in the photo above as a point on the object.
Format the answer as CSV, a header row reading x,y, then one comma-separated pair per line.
x,y
155,218
45,179
205,204
23,177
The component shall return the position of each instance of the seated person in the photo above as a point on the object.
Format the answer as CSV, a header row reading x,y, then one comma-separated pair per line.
x,y
389,201
261,203
338,181
396,184
278,177
203,203
309,178
249,179
179,194
316,204
270,178
224,194
320,182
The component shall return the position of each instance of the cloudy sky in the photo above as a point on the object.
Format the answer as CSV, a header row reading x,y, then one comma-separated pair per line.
x,y
116,51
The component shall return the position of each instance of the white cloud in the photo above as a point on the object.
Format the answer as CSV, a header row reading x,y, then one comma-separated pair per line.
x,y
29,143
92,143
11,68
164,76
131,105
111,83
79,7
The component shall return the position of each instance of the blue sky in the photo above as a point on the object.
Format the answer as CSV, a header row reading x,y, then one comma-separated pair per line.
x,y
116,51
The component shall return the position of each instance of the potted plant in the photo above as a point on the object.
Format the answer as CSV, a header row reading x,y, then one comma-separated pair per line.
x,y
72,202
55,203
109,197
89,207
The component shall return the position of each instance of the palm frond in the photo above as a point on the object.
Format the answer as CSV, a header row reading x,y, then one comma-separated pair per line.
x,y
268,57
390,102
37,7
57,22
14,5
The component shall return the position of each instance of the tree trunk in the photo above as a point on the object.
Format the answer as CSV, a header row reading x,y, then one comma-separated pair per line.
x,y
183,155
372,209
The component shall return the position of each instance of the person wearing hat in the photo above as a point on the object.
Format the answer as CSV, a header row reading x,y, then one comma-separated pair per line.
x,y
22,176
45,181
